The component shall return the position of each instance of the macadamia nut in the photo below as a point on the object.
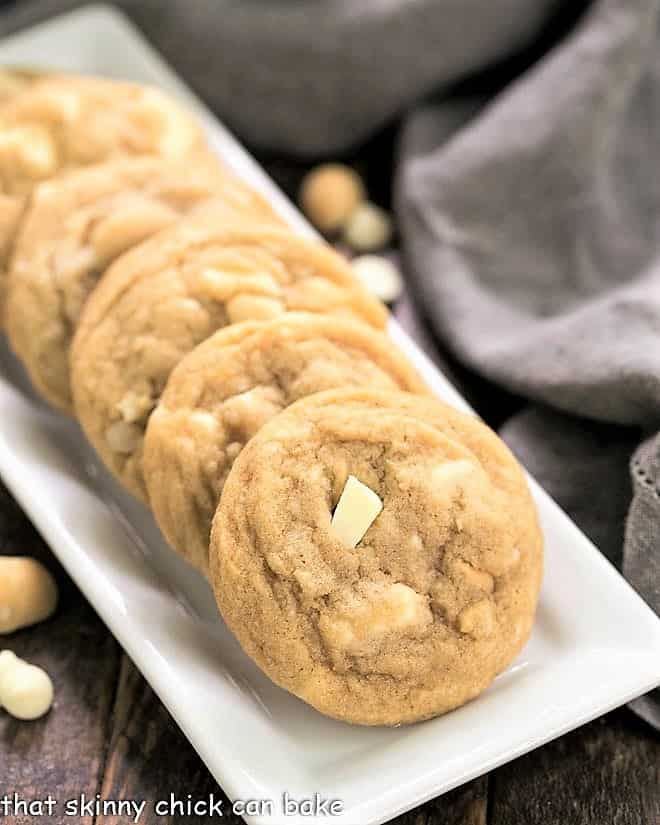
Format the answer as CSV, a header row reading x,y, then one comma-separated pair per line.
x,y
28,593
368,229
329,195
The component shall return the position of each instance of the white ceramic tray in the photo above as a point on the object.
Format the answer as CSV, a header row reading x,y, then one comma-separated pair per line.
x,y
595,644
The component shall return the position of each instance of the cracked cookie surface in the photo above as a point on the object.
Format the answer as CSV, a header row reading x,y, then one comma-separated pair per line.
x,y
220,395
436,599
163,298
63,122
76,226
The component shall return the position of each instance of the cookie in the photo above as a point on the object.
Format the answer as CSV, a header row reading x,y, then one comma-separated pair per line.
x,y
377,616
16,81
64,122
161,299
220,395
76,226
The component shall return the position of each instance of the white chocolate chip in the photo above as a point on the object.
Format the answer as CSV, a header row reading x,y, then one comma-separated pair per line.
x,y
247,412
276,563
232,450
224,284
474,577
38,157
368,229
73,265
379,276
122,437
356,510
129,225
253,308
61,105
26,691
220,285
478,619
452,473
29,148
500,561
370,616
204,420
134,406
178,134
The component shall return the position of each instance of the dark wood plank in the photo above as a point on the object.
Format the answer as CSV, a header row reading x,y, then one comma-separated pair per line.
x,y
62,753
149,758
466,805
606,773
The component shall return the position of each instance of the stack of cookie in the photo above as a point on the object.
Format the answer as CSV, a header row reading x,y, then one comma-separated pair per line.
x,y
376,552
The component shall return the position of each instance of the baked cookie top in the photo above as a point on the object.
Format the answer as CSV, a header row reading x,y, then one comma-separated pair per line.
x,y
76,225
63,122
14,81
223,392
436,598
161,299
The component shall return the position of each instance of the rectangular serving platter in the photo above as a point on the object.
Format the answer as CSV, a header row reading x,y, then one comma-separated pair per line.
x,y
595,643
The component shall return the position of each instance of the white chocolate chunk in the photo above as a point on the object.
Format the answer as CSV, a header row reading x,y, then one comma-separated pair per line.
x,y
356,511
247,412
368,618
253,308
204,420
26,691
122,437
474,577
379,276
74,265
478,619
30,149
177,134
451,474
129,225
61,105
134,406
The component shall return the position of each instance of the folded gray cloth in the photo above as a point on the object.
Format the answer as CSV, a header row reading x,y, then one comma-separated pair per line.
x,y
530,216
532,228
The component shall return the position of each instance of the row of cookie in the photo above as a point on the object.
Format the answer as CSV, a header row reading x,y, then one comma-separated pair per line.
x,y
72,225
186,350
439,593
75,224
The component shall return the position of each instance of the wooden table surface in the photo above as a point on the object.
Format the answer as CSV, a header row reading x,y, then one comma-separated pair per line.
x,y
108,734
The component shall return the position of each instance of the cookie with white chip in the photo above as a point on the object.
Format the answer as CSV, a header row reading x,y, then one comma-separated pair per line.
x,y
223,392
163,298
63,122
431,595
76,225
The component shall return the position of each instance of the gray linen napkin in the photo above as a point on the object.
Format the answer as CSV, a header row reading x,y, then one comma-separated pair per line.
x,y
530,213
532,230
